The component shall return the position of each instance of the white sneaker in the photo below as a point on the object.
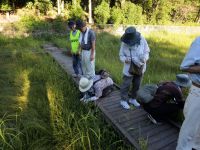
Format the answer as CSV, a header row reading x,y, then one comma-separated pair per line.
x,y
124,104
134,102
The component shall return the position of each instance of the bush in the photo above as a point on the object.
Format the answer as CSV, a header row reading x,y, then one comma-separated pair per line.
x,y
116,16
5,7
102,13
76,11
132,13
43,6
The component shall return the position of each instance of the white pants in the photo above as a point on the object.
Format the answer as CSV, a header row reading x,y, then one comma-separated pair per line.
x,y
189,136
88,66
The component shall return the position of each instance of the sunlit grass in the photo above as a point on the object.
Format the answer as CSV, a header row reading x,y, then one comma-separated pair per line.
x,y
45,101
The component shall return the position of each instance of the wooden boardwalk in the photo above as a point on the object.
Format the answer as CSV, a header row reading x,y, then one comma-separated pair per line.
x,y
132,124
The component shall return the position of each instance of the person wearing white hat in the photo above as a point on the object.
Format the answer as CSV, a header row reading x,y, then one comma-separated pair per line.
x,y
168,99
96,88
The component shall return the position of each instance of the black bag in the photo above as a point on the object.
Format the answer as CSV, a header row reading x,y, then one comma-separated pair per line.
x,y
107,91
134,69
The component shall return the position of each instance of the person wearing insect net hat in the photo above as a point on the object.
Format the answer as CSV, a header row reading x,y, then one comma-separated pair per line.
x,y
134,51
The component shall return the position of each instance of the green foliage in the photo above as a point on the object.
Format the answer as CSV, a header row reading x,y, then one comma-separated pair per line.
x,y
161,14
116,16
132,13
43,5
102,13
76,11
45,101
5,7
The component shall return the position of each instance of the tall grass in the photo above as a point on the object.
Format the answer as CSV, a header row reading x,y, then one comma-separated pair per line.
x,y
48,113
39,104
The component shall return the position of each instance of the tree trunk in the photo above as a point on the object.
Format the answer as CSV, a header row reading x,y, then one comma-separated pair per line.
x,y
7,15
62,5
197,19
58,5
90,11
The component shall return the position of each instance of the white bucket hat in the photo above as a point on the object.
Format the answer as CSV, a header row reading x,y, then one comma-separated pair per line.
x,y
183,80
85,84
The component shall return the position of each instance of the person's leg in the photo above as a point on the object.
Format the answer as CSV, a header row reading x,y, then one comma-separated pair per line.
x,y
135,87
90,66
79,65
75,63
189,136
125,87
136,81
84,61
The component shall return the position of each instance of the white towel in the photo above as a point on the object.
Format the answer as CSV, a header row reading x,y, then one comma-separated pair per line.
x,y
85,37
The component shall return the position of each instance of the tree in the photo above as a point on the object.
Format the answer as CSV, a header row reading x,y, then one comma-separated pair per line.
x,y
102,13
90,11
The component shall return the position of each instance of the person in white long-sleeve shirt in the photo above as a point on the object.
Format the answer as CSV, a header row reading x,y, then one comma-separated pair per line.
x,y
133,48
189,136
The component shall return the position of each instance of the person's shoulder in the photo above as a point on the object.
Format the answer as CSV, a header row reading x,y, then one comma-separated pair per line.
x,y
197,40
91,31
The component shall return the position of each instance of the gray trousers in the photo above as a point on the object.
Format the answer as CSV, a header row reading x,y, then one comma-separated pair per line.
x,y
135,80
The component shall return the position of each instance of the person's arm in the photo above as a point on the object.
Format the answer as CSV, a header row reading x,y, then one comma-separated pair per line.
x,y
178,97
92,51
146,51
122,57
192,69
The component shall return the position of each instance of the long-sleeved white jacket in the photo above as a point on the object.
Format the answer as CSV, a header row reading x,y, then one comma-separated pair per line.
x,y
140,55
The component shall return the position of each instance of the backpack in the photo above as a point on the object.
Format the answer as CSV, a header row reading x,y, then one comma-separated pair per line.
x,y
146,93
104,74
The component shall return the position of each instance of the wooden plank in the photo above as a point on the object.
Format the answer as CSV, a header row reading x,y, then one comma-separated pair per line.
x,y
162,134
163,142
123,131
171,146
133,124
130,116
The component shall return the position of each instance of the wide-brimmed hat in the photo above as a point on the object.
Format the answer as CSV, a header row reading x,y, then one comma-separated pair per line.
x,y
183,80
131,37
85,84
80,24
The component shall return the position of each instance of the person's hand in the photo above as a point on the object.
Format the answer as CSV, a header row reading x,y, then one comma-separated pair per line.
x,y
127,60
91,57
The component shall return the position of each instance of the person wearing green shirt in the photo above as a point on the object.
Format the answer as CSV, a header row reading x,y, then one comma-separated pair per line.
x,y
74,39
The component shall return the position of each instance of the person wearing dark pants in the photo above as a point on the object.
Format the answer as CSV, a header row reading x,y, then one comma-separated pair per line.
x,y
168,99
77,64
135,81
74,39
134,49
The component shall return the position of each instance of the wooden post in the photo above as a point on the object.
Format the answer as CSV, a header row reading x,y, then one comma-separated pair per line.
x,y
7,15
58,5
90,12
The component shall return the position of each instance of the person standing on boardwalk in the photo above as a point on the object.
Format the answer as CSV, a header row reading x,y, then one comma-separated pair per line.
x,y
87,42
74,39
189,136
134,51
